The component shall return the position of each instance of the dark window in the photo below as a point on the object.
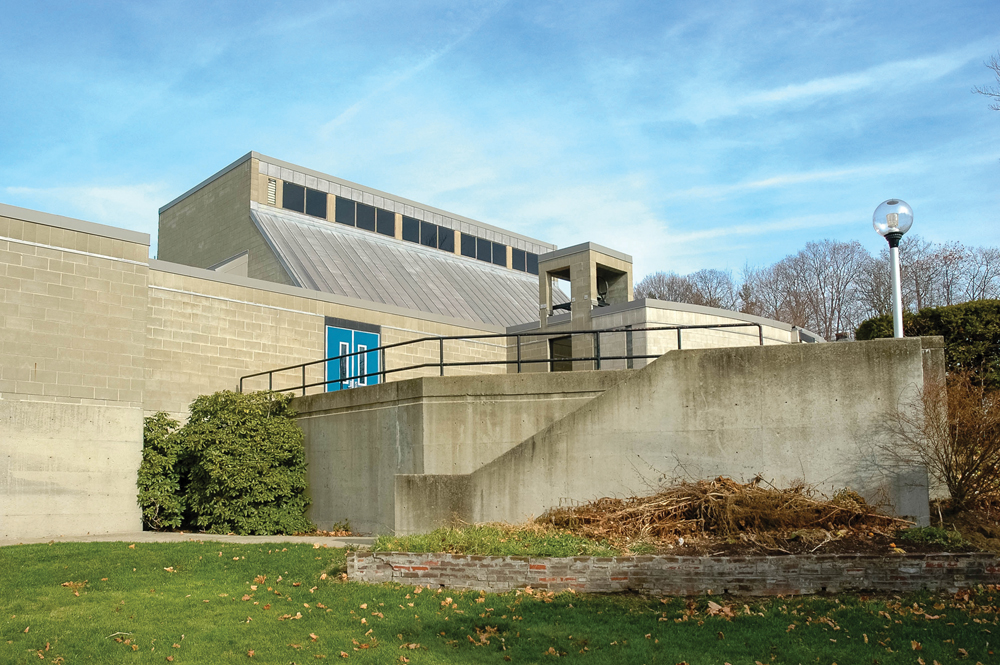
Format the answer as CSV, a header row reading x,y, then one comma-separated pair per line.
x,y
468,245
560,349
366,217
483,247
293,197
316,203
446,239
499,254
532,261
411,229
386,223
428,234
517,259
344,212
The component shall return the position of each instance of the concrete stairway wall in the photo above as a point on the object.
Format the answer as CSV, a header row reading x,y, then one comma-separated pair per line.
x,y
358,440
797,412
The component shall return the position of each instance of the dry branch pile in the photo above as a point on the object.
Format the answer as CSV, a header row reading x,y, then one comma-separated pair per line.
x,y
722,509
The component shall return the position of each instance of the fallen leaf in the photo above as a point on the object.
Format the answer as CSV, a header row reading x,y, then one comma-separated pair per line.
x,y
313,636
132,546
323,576
344,654
250,653
917,646
170,659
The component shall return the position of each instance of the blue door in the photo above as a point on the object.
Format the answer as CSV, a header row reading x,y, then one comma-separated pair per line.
x,y
350,371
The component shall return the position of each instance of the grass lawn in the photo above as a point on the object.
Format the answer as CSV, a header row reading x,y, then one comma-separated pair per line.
x,y
195,603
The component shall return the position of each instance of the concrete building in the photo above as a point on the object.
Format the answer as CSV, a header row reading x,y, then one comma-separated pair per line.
x,y
266,265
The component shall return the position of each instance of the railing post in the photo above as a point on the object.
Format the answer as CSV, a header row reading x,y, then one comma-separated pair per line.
x,y
518,338
382,364
303,380
241,385
678,339
597,349
441,354
629,362
270,380
760,333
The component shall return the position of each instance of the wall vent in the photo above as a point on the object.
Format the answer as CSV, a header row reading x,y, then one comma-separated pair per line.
x,y
272,191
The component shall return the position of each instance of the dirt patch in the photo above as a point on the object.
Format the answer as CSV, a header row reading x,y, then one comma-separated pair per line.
x,y
725,518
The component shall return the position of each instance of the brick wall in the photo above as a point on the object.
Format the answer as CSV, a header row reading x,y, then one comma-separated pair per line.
x,y
679,575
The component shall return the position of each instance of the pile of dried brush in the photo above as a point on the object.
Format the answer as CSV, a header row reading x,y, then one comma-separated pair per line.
x,y
721,508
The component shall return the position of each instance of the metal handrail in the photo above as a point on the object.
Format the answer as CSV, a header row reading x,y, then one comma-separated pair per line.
x,y
519,361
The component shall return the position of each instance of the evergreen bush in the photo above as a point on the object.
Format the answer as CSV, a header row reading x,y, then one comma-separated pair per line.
x,y
238,466
159,481
247,464
971,333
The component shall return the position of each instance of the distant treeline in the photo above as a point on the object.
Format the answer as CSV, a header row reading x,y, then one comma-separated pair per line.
x,y
831,287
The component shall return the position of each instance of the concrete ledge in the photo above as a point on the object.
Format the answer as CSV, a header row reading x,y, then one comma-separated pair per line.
x,y
73,224
681,575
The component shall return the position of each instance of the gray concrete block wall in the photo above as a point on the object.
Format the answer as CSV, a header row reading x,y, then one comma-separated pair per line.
x,y
72,338
205,332
213,224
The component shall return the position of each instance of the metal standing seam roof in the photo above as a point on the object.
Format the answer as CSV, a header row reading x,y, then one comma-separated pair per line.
x,y
333,258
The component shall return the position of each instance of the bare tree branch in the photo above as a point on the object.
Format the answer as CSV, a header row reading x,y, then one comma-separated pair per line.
x,y
991,91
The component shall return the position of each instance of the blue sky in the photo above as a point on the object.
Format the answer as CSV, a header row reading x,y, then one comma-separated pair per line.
x,y
690,135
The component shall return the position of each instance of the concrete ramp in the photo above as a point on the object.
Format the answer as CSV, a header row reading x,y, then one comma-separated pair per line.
x,y
809,412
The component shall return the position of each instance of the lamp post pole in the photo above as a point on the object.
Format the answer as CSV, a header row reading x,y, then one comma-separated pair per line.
x,y
891,220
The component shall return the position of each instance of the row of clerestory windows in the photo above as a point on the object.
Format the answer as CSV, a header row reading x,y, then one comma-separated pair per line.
x,y
363,216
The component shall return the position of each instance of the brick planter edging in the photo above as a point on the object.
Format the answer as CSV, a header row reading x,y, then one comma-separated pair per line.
x,y
681,575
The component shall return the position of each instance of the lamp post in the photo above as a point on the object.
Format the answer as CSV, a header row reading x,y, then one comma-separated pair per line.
x,y
892,219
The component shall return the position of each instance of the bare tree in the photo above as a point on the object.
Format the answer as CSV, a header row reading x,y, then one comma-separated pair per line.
x,y
875,286
664,286
772,292
991,91
953,430
983,273
827,274
713,288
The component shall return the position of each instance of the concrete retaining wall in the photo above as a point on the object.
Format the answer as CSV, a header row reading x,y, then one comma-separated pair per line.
x,y
809,412
358,441
679,575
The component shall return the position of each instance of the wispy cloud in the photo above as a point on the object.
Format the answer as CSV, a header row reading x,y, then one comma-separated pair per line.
x,y
396,78
132,207
701,104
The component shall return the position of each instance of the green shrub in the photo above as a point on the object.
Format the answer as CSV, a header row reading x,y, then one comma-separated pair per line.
x,y
932,535
159,481
497,540
247,470
971,333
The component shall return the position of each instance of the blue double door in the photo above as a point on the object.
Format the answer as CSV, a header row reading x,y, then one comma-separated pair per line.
x,y
348,371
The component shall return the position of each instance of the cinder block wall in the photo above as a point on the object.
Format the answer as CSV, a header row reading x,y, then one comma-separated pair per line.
x,y
207,329
213,224
72,336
